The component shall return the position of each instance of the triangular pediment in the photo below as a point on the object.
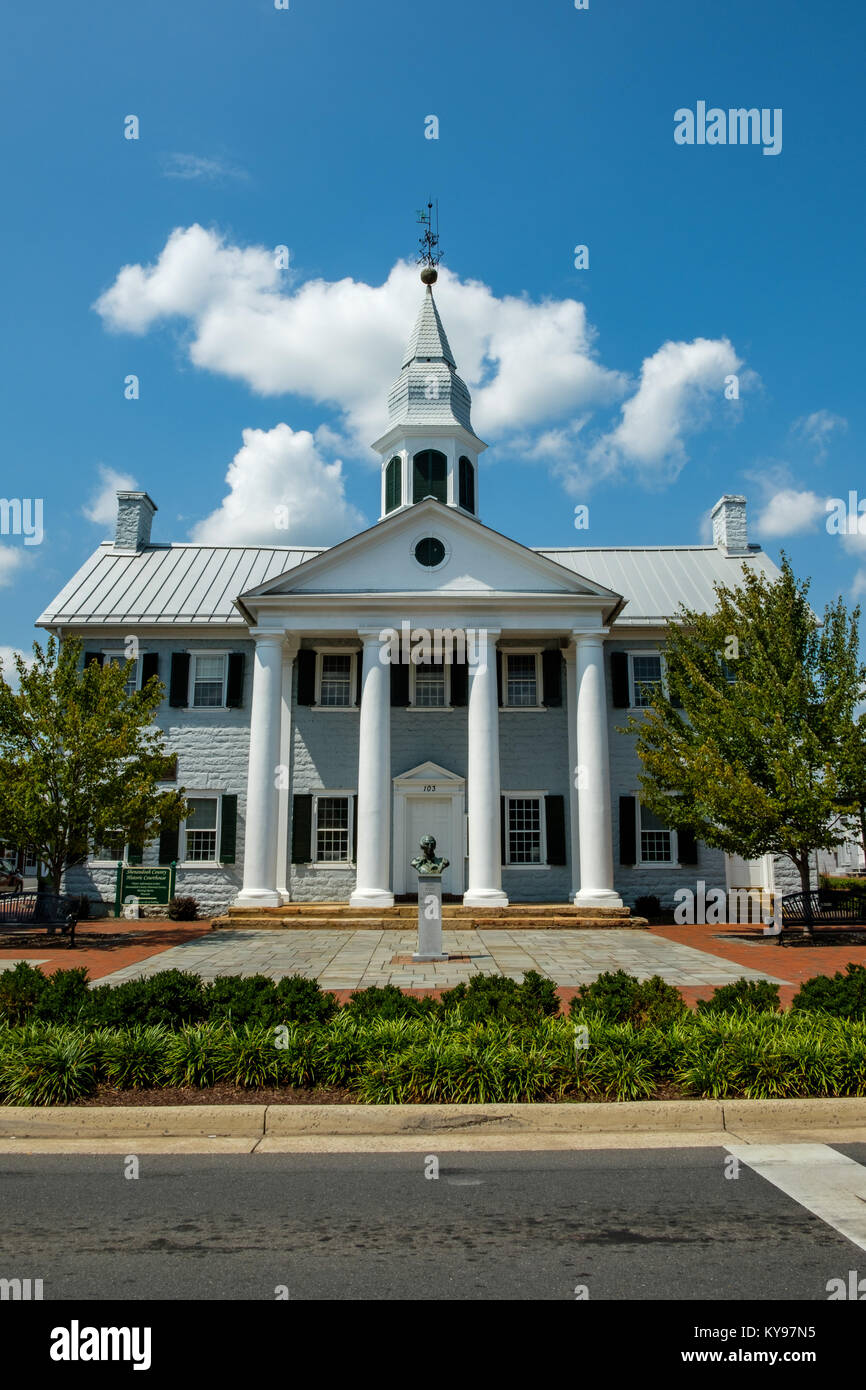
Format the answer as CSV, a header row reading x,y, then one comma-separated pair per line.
x,y
477,560
429,772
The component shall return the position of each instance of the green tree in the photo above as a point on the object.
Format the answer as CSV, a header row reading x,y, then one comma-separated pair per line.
x,y
80,757
746,748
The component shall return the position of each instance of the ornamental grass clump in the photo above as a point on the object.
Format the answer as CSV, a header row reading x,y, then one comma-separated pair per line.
x,y
135,1058
59,1069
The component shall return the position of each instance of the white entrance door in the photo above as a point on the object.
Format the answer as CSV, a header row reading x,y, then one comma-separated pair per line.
x,y
429,815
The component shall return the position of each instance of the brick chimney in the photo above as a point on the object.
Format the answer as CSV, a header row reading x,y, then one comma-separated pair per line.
x,y
134,518
729,525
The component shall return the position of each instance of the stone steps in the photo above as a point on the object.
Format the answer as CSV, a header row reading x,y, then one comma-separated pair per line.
x,y
404,917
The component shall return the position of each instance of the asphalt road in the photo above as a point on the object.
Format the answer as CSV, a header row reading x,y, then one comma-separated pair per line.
x,y
651,1224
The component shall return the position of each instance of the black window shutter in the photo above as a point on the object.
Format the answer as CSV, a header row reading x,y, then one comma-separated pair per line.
x,y
355,828
399,684
551,669
149,666
502,827
627,831
134,853
229,829
90,657
459,683
359,676
302,828
687,846
500,659
178,690
619,679
306,677
169,844
235,682
554,808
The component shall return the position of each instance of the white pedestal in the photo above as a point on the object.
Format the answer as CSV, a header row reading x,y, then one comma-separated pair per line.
x,y
430,918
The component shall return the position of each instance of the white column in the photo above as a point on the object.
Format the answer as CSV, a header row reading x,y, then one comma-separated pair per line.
x,y
373,805
482,793
260,841
596,843
570,655
284,789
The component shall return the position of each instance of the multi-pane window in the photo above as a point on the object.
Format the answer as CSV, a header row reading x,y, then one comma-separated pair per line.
x,y
332,828
522,679
201,830
118,659
646,671
430,685
335,686
655,839
113,847
524,830
209,673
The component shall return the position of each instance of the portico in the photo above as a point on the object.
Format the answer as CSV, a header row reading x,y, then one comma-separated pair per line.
x,y
385,794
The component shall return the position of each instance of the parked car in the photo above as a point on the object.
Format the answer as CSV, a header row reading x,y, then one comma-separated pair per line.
x,y
10,879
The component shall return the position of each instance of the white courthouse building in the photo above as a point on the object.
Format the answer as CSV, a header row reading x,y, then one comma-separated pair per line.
x,y
313,760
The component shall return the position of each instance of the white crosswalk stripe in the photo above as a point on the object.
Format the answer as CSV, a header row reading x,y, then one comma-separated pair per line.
x,y
825,1182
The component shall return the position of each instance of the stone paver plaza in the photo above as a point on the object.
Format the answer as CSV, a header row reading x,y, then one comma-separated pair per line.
x,y
357,959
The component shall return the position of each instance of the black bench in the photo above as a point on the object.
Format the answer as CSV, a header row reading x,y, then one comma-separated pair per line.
x,y
827,907
32,911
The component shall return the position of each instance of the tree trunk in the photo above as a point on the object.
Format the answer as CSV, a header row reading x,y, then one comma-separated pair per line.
x,y
803,869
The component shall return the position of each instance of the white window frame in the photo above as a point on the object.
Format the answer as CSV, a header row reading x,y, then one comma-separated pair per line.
x,y
508,863
119,657
190,694
640,862
327,792
202,794
353,678
632,684
430,709
110,863
539,692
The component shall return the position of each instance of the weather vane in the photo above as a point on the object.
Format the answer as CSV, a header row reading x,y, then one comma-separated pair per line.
x,y
429,243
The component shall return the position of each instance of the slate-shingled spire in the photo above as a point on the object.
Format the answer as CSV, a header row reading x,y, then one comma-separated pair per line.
x,y
428,389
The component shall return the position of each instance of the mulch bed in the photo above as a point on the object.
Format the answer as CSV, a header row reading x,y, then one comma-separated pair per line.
x,y
226,1094
222,1094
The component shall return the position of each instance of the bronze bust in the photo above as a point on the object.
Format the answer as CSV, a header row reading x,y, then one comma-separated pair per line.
x,y
427,864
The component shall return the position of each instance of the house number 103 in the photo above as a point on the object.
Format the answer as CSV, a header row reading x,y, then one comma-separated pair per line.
x,y
430,788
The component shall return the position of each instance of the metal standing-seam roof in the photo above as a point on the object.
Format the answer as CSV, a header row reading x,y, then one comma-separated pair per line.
x,y
168,584
656,580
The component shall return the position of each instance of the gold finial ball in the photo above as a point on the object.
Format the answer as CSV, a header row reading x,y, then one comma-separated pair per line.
x,y
429,275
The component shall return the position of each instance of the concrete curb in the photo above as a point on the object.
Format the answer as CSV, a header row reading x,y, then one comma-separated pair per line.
x,y
742,1119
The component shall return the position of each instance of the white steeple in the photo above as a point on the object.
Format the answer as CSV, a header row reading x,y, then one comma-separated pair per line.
x,y
430,447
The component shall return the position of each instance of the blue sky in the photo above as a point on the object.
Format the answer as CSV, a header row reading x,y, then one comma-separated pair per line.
x,y
306,128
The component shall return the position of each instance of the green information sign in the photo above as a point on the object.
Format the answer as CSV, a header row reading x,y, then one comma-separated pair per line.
x,y
140,887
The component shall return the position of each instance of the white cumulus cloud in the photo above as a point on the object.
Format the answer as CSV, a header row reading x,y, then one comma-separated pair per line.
x,y
818,428
102,505
791,511
7,661
281,492
11,560
677,386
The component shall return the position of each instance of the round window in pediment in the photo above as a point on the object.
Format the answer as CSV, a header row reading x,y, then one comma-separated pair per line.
x,y
430,552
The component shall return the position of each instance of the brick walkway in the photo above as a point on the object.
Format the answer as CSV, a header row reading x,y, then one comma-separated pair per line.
x,y
101,947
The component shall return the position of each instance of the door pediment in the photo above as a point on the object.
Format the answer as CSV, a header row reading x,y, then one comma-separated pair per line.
x,y
430,772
